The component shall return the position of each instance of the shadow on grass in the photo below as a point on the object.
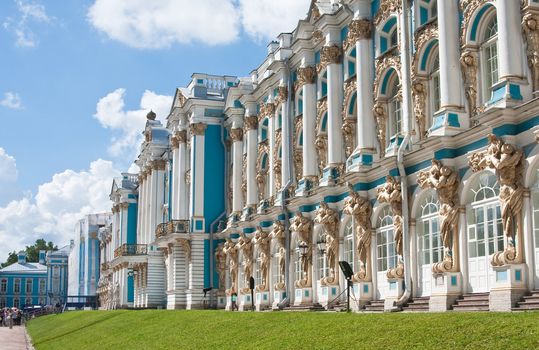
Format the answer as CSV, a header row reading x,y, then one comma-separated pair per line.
x,y
46,340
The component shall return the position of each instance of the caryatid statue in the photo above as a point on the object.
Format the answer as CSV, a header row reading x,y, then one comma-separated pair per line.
x,y
302,226
246,246
277,234
390,193
230,250
329,219
262,241
360,209
508,162
530,27
445,181
220,262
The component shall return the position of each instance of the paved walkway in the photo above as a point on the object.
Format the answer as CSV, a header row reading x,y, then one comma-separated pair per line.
x,y
16,338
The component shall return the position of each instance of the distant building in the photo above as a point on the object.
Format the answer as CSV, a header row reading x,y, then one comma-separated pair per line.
x,y
25,283
84,255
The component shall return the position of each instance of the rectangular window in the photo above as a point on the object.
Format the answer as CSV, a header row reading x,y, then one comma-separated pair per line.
x,y
2,303
29,286
28,302
17,286
16,303
42,285
349,250
3,286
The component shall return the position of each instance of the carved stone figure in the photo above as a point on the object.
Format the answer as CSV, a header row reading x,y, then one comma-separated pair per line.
x,y
508,162
390,193
220,263
530,27
320,145
246,246
298,163
230,250
349,134
360,209
244,178
446,182
420,96
468,64
329,219
262,241
381,117
302,227
277,234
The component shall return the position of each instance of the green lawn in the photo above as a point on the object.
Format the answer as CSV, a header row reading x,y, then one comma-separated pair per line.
x,y
160,329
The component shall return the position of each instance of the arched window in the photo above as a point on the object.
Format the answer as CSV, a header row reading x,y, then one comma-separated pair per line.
x,y
322,85
485,229
299,104
385,241
434,85
323,268
429,245
350,64
427,11
489,55
258,271
394,110
393,41
349,245
263,135
388,36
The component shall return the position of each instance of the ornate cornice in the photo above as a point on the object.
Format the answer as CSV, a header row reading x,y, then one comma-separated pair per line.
x,y
306,75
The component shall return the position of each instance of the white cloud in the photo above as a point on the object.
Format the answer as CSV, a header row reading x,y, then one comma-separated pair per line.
x,y
57,206
265,19
161,23
8,167
29,12
129,124
11,100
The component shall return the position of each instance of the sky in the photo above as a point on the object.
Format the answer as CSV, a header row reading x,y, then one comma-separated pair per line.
x,y
77,78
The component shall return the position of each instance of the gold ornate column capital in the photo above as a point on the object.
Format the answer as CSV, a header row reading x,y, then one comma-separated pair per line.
x,y
236,134
306,75
329,55
267,110
251,123
359,29
198,129
159,164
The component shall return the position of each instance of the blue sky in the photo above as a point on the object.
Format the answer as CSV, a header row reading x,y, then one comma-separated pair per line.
x,y
76,78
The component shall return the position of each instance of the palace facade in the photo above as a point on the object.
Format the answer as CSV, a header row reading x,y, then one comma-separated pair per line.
x,y
398,136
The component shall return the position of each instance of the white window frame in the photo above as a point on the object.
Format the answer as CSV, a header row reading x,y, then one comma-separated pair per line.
x,y
349,254
430,247
386,257
490,76
434,88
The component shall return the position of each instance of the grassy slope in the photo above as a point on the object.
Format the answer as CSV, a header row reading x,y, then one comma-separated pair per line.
x,y
152,329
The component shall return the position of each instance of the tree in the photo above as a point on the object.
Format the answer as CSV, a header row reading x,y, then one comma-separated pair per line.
x,y
11,259
32,252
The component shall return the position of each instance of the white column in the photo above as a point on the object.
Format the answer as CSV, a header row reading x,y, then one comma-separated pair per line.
x,y
308,75
123,219
251,125
183,191
237,155
175,200
198,131
509,39
463,246
285,135
529,249
271,140
333,54
449,53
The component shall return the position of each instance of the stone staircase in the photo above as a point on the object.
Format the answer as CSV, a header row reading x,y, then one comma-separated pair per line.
x,y
375,306
472,302
417,304
309,307
528,302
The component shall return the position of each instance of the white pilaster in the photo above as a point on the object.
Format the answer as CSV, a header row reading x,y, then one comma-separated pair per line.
x,y
237,155
175,200
183,190
310,166
452,117
271,140
252,149
285,129
335,101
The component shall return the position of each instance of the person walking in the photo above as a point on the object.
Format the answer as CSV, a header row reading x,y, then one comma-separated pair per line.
x,y
234,301
10,319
